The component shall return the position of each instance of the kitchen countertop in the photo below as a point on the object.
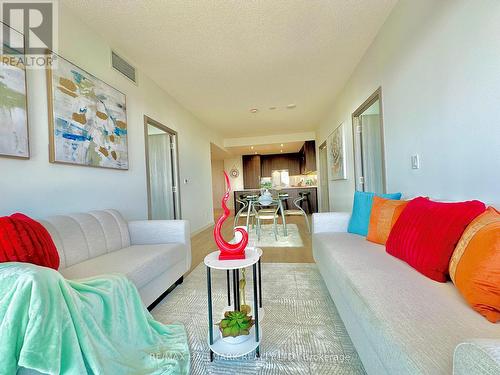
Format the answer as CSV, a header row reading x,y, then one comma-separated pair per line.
x,y
292,193
284,188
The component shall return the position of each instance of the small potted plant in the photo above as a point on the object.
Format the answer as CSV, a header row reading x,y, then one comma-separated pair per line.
x,y
235,327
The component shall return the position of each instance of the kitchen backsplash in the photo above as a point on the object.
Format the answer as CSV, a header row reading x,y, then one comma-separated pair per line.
x,y
299,180
304,180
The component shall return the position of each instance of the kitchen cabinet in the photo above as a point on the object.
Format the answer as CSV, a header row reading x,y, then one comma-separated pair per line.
x,y
294,164
251,171
270,163
266,169
308,157
255,166
279,162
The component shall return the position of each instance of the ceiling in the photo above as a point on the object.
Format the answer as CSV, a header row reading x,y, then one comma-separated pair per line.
x,y
268,149
219,59
218,153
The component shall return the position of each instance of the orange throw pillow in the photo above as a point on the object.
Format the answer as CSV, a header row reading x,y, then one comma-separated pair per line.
x,y
385,213
475,265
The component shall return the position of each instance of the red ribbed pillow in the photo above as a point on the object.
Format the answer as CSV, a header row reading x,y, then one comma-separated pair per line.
x,y
427,232
23,239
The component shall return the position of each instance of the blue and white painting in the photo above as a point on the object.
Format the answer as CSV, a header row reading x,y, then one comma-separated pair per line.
x,y
89,119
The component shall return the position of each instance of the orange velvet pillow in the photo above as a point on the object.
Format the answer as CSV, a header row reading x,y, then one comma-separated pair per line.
x,y
385,213
475,265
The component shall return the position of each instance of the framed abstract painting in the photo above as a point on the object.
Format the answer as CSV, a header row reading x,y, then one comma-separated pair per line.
x,y
336,154
14,138
87,119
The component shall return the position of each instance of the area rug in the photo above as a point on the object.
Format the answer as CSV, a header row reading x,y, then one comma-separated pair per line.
x,y
302,331
267,238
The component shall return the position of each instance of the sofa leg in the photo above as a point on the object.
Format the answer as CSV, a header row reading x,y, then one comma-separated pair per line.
x,y
160,298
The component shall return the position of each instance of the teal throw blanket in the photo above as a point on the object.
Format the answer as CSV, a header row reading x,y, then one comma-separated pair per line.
x,y
93,326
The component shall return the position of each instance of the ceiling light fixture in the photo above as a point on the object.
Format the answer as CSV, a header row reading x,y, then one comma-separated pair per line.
x,y
281,145
254,110
251,147
291,106
281,150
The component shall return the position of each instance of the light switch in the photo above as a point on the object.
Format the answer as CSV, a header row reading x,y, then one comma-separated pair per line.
x,y
415,162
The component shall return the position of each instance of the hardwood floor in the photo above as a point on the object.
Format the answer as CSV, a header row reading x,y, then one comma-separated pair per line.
x,y
203,243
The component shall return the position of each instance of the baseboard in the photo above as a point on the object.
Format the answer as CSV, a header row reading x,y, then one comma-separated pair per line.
x,y
198,231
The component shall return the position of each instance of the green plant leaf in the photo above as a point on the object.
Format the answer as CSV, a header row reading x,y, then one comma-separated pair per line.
x,y
226,332
235,331
235,323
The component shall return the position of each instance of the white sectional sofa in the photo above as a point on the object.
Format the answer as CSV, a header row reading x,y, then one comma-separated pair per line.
x,y
400,321
152,254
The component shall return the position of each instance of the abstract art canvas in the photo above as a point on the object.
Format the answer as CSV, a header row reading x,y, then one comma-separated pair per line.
x,y
336,153
13,114
87,117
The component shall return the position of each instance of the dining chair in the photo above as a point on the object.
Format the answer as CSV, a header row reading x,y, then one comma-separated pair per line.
x,y
299,211
247,210
284,199
305,201
269,211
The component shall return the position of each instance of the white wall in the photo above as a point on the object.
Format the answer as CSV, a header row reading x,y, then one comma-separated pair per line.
x,y
438,65
218,182
39,188
236,183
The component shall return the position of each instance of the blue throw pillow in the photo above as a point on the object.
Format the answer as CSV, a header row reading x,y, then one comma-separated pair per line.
x,y
362,208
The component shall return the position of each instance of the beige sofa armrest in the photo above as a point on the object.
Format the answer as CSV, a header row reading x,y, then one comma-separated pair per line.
x,y
477,357
330,222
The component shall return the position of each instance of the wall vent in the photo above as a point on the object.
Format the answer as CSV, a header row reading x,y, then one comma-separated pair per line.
x,y
123,67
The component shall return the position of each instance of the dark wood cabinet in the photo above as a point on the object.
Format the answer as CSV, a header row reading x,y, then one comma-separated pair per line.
x,y
270,163
279,162
255,166
294,164
308,157
266,169
302,161
251,171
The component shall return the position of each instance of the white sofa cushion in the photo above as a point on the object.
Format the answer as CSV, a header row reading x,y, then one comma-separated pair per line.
x,y
140,263
408,318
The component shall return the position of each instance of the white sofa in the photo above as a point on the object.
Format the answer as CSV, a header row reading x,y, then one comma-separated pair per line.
x,y
400,321
152,254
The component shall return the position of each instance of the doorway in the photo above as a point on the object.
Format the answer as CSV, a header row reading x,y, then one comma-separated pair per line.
x,y
323,173
369,159
162,171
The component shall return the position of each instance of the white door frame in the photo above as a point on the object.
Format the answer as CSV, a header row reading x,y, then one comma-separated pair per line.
x,y
357,143
175,165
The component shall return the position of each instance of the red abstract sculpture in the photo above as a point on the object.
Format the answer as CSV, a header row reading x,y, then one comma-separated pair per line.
x,y
229,251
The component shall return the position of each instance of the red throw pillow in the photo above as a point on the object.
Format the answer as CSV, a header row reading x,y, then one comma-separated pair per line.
x,y
23,239
427,232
